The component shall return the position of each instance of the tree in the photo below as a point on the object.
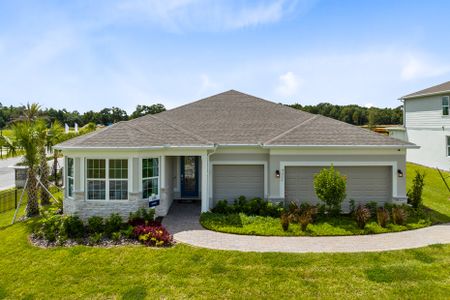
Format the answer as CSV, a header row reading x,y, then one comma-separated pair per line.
x,y
415,193
55,135
330,187
142,110
28,136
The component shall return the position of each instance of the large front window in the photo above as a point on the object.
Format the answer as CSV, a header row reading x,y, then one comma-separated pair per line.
x,y
150,177
107,179
448,145
69,177
445,102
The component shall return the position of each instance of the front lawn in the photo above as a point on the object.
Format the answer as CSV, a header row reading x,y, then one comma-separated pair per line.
x,y
138,272
435,200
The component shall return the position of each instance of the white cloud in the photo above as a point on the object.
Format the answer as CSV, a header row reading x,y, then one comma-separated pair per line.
x,y
368,105
416,67
289,84
205,15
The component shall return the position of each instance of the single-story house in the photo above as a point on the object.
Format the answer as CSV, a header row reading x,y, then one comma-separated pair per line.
x,y
221,147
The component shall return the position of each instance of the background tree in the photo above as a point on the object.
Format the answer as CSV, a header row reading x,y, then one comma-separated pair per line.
x,y
142,110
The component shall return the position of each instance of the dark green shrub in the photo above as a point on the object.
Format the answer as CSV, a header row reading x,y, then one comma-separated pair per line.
x,y
141,217
372,206
382,216
362,215
95,225
352,206
221,207
415,193
113,224
127,232
330,187
284,218
74,227
50,227
116,236
399,215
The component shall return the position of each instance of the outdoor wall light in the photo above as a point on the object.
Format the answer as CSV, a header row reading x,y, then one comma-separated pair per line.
x,y
399,173
277,173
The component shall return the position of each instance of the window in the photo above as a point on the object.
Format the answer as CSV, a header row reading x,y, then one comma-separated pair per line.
x,y
69,177
448,146
118,179
445,101
96,179
150,177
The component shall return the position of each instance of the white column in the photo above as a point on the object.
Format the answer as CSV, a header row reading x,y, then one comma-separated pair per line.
x,y
205,197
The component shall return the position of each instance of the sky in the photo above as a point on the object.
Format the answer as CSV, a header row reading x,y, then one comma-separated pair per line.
x,y
87,55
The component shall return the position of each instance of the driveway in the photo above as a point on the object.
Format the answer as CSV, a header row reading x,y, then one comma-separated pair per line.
x,y
7,174
182,222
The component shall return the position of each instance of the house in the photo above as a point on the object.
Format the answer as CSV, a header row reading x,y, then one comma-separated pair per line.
x,y
221,147
427,123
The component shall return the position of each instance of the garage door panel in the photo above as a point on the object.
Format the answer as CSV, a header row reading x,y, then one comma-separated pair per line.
x,y
364,183
232,181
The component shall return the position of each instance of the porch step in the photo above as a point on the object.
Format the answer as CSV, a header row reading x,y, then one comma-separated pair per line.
x,y
186,200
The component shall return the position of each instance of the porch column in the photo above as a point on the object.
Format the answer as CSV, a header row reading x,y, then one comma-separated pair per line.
x,y
204,176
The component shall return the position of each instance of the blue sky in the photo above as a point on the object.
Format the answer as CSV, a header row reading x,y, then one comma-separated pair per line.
x,y
84,55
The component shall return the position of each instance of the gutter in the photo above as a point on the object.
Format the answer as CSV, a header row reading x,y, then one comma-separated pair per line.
x,y
412,146
424,95
133,148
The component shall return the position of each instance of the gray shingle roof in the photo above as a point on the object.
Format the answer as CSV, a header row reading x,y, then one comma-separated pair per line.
x,y
437,89
231,118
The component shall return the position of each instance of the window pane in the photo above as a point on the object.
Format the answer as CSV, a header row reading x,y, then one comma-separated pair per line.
x,y
150,167
118,168
96,168
70,166
118,189
445,101
96,189
150,186
69,186
445,111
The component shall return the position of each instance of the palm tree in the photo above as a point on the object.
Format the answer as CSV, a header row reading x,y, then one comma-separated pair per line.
x,y
43,166
55,135
28,135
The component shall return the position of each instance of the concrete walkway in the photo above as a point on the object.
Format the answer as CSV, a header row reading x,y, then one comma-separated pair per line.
x,y
182,222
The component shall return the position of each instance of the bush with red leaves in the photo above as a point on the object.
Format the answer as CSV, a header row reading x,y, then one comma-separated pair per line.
x,y
153,235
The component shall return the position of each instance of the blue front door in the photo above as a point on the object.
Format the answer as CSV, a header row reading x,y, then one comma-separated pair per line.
x,y
189,176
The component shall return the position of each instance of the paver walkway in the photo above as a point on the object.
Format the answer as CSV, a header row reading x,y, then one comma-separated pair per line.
x,y
182,221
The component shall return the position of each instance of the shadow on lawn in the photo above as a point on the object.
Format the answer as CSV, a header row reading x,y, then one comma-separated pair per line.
x,y
135,293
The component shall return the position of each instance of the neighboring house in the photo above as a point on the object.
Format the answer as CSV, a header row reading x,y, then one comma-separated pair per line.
x,y
221,147
427,122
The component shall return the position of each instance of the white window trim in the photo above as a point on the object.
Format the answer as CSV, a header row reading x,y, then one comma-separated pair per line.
x,y
447,145
284,164
141,178
106,179
239,163
67,177
447,106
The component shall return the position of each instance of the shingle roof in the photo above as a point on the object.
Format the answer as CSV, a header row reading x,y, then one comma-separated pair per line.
x,y
231,118
437,89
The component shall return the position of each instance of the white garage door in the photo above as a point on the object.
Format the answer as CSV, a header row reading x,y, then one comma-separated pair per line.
x,y
364,184
232,181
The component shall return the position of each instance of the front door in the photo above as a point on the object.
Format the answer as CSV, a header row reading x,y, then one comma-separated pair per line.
x,y
189,176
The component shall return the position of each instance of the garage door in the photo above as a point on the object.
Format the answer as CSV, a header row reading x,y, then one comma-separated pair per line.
x,y
364,184
232,181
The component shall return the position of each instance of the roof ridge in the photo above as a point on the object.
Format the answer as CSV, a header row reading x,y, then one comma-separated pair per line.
x,y
424,92
181,129
292,129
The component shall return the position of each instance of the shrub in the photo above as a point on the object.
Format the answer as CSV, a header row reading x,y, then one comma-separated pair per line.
x,y
95,238
305,219
221,207
399,215
141,216
372,206
50,227
382,217
330,186
115,236
113,224
74,227
415,193
285,221
362,215
128,232
352,206
95,225
153,235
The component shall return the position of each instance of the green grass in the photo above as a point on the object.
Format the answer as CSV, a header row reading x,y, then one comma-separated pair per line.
x,y
137,272
435,197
